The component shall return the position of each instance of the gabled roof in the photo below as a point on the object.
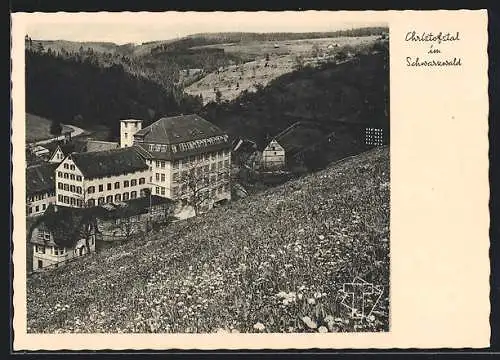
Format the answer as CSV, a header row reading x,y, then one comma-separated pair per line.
x,y
66,148
98,145
298,136
178,129
114,162
40,179
274,145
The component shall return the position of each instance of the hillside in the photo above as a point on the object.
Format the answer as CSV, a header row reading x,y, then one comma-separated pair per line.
x,y
272,259
77,90
269,60
38,128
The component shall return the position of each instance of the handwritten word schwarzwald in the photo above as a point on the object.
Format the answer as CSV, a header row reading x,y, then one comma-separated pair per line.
x,y
438,38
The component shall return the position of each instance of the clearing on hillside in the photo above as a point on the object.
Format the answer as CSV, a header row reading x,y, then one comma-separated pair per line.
x,y
274,262
38,128
282,56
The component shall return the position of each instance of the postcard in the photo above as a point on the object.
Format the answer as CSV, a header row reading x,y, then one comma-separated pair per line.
x,y
250,180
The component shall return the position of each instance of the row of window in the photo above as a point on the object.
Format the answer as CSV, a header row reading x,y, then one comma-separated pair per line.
x,y
180,190
54,250
109,186
41,196
36,209
69,200
68,187
190,145
202,157
70,167
66,175
199,170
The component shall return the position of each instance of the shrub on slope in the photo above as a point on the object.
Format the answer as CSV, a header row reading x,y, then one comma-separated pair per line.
x,y
275,262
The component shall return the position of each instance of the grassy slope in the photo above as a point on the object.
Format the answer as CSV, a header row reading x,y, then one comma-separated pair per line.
x,y
38,128
224,269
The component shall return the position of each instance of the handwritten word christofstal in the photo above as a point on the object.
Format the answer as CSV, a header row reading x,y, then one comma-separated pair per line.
x,y
431,37
434,56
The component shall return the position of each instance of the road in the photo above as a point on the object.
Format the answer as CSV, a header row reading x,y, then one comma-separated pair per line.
x,y
75,131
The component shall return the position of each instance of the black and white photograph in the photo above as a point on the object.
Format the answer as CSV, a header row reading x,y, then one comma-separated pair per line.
x,y
207,174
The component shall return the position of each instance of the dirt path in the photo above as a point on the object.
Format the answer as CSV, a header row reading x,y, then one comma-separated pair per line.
x,y
75,131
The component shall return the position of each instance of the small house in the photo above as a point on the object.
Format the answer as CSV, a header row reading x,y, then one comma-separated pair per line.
x,y
60,235
40,188
273,156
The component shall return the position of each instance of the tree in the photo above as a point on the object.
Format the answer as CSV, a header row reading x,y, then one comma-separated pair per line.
x,y
315,50
126,224
299,62
55,128
218,96
200,181
89,225
341,55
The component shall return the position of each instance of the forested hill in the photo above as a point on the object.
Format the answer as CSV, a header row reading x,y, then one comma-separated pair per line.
x,y
80,91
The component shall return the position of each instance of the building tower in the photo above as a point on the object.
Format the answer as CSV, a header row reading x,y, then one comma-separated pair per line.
x,y
128,128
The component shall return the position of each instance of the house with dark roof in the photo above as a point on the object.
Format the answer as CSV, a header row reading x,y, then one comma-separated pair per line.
x,y
60,235
94,178
289,145
40,188
177,146
273,156
60,149
98,145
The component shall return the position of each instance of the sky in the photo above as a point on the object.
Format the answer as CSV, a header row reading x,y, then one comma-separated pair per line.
x,y
129,27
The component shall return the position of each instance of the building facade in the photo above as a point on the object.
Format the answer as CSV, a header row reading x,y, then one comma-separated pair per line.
x,y
95,178
187,155
128,128
273,156
48,253
40,188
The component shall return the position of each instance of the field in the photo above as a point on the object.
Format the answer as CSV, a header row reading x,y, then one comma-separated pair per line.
x,y
234,79
273,262
38,128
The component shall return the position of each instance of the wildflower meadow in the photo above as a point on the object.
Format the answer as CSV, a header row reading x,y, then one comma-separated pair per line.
x,y
275,262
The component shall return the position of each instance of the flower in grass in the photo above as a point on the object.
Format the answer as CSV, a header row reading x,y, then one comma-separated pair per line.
x,y
322,329
309,322
321,237
281,294
311,301
222,331
259,326
329,319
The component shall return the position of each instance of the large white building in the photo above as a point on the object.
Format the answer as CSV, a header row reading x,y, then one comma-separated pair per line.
x,y
185,154
94,178
128,128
